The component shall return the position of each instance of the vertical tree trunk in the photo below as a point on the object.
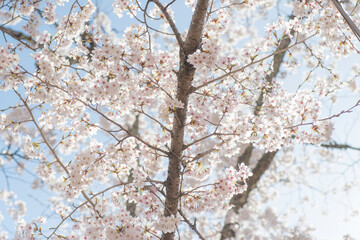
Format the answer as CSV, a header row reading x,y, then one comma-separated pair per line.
x,y
185,77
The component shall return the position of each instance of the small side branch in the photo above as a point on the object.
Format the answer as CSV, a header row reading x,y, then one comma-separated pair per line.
x,y
348,20
241,199
191,225
171,22
52,150
339,146
19,36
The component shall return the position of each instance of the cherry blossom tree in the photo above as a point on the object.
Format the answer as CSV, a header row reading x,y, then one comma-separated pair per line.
x,y
150,131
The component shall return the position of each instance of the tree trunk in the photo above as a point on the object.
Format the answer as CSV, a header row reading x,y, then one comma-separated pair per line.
x,y
185,77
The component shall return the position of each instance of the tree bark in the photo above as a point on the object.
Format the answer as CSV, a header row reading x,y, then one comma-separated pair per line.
x,y
263,164
185,77
241,199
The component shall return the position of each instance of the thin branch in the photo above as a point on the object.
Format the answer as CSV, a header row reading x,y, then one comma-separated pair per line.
x,y
124,129
88,200
154,119
348,20
339,146
250,64
191,225
58,160
328,118
171,23
105,117
19,36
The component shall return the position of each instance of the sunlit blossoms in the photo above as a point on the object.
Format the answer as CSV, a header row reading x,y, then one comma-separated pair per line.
x,y
137,127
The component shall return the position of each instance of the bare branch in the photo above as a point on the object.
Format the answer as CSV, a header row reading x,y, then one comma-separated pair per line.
x,y
191,225
19,36
171,23
241,199
348,20
349,110
81,205
193,89
335,145
263,164
58,160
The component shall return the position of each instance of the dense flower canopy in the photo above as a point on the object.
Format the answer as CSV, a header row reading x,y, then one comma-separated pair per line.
x,y
149,131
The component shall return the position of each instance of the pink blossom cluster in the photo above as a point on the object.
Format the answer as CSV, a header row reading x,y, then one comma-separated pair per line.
x,y
9,70
103,111
49,13
231,182
167,224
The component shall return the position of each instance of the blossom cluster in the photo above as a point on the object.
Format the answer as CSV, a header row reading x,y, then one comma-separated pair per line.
x,y
15,208
9,70
230,183
49,13
105,108
167,224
